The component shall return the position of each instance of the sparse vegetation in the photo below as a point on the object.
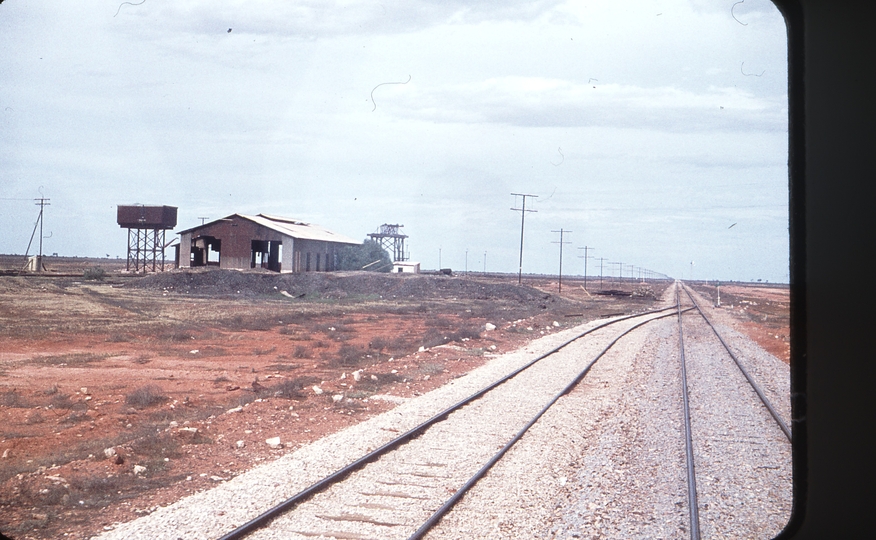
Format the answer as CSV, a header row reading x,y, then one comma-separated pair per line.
x,y
293,388
349,356
302,352
430,368
75,418
436,336
62,402
145,396
34,418
372,386
378,344
12,399
158,320
119,337
95,273
72,359
282,367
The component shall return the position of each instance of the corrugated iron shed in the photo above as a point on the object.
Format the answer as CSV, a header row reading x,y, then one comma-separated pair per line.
x,y
288,226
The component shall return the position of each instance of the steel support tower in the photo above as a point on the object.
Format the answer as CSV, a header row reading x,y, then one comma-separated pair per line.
x,y
145,248
390,238
146,234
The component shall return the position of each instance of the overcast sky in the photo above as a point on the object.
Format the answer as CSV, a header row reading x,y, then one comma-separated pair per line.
x,y
654,130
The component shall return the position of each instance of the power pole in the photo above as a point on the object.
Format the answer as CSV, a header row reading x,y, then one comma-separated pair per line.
x,y
523,212
439,258
203,219
600,271
620,268
585,248
466,262
560,281
485,263
42,202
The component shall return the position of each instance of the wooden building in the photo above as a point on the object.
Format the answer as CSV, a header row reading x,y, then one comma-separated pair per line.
x,y
275,243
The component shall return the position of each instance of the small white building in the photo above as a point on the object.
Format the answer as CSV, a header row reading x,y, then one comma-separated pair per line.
x,y
406,267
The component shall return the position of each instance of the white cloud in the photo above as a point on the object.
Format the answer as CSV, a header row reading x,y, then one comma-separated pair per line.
x,y
329,18
533,101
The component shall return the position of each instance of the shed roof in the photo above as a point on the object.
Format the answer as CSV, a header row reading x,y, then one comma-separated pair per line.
x,y
289,227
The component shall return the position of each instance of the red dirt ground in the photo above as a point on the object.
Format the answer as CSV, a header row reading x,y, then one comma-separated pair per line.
x,y
152,374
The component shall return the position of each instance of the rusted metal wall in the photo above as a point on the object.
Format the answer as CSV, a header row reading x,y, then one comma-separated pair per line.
x,y
146,217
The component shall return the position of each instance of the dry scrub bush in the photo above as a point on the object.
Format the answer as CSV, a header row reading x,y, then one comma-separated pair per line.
x,y
430,368
348,356
145,396
294,388
13,400
378,344
369,386
73,359
435,336
302,352
94,273
282,367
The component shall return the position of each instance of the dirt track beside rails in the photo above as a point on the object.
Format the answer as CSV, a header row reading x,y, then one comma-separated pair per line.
x,y
151,366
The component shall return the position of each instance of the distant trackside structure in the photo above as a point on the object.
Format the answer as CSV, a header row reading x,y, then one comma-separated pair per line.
x,y
261,241
146,234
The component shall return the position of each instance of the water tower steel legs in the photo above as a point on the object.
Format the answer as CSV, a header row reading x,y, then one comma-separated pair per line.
x,y
144,246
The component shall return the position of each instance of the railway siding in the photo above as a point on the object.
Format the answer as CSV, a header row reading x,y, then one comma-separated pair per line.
x,y
211,513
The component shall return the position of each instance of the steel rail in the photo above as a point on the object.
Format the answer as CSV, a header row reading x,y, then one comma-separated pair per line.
x,y
451,502
692,503
748,377
290,503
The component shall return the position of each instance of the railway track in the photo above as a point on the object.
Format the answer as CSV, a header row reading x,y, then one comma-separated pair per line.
x,y
407,486
410,484
739,445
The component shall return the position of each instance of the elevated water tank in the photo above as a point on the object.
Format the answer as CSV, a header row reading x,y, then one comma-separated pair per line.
x,y
140,216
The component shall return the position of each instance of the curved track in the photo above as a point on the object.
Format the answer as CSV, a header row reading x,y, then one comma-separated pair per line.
x,y
518,404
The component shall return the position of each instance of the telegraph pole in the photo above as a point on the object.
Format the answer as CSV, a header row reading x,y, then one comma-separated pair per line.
x,y
600,271
585,248
523,212
485,263
620,269
466,262
560,281
42,202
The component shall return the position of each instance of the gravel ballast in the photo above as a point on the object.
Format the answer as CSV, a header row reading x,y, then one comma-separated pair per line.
x,y
212,513
607,461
